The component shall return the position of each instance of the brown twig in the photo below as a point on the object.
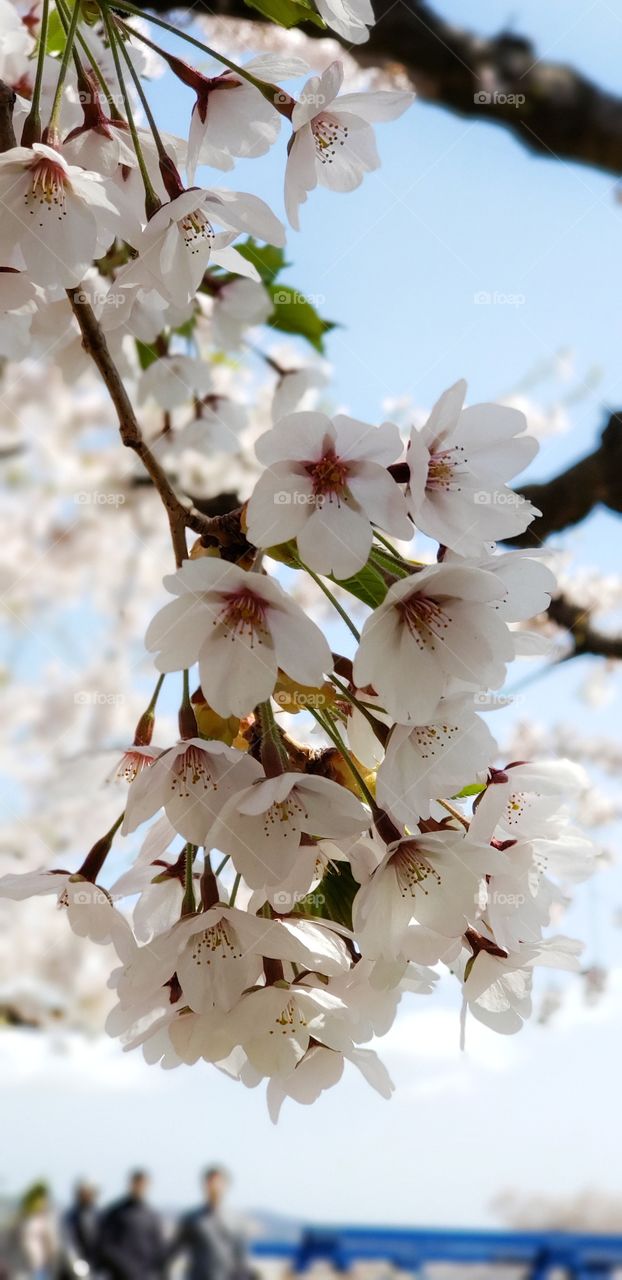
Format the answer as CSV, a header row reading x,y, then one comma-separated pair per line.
x,y
7,103
180,517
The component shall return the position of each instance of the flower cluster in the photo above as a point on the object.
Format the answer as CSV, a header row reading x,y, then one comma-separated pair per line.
x,y
287,893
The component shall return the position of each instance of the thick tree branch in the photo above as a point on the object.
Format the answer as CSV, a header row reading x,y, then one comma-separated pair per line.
x,y
586,639
551,108
571,496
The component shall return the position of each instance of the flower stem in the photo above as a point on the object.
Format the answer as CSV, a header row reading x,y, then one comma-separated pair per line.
x,y
381,730
32,124
234,891
187,718
455,813
161,149
64,67
144,728
274,756
188,906
88,53
327,725
152,200
268,90
96,856
329,595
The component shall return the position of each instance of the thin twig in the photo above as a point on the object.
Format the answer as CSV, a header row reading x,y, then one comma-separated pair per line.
x,y
179,516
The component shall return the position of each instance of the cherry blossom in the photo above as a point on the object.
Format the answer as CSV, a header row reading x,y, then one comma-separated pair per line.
x,y
498,987
459,463
171,380
326,827
231,117
191,781
349,18
437,626
431,878
524,799
437,758
179,240
296,1014
240,627
326,483
56,217
263,827
236,307
333,142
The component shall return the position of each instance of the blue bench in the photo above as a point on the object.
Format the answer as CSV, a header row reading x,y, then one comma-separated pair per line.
x,y
583,1257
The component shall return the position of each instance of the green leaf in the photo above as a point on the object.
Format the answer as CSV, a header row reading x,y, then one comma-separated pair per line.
x,y
386,561
268,260
186,329
146,355
55,42
287,13
293,313
367,585
285,553
473,789
333,898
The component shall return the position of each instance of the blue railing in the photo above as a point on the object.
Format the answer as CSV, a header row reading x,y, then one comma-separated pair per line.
x,y
538,1253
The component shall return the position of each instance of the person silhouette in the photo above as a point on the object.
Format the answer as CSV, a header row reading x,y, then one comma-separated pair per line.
x,y
132,1245
212,1245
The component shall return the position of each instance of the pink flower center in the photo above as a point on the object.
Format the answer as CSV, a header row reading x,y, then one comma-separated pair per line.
x,y
425,620
328,135
244,612
444,469
133,763
47,188
329,476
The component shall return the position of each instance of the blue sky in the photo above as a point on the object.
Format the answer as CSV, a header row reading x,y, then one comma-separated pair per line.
x,y
458,208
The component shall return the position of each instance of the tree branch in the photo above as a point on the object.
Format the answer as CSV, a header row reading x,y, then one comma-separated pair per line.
x,y
586,639
571,496
179,516
7,103
551,108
